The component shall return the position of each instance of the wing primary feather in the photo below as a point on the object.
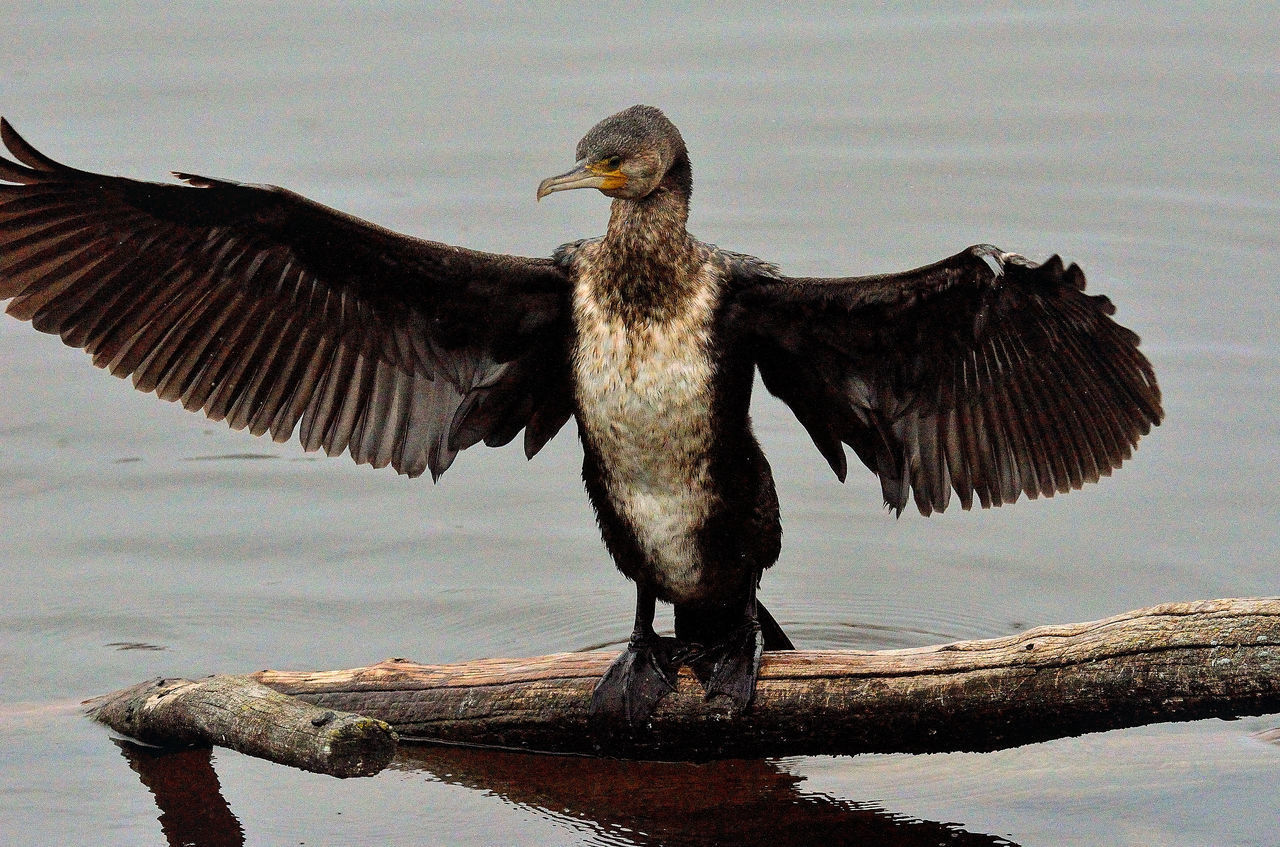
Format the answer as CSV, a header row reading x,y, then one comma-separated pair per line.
x,y
27,154
290,363
236,359
111,289
398,445
164,331
1020,428
320,409
991,433
320,352
116,345
1064,447
262,370
21,241
1023,419
190,341
350,404
340,382
44,274
1072,373
199,371
382,415
48,283
957,467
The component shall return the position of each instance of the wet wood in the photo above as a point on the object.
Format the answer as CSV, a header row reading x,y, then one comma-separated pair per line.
x,y
1177,662
240,713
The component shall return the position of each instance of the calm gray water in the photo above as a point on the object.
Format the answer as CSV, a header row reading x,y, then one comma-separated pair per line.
x,y
1142,142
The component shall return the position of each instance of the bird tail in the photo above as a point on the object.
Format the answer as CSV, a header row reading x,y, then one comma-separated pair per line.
x,y
774,637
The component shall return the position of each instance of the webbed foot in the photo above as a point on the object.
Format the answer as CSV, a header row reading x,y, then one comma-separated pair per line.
x,y
728,669
636,681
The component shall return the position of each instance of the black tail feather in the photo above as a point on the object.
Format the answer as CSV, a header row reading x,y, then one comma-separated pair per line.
x,y
774,637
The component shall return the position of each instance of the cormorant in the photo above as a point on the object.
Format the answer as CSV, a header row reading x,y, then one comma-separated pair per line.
x,y
982,374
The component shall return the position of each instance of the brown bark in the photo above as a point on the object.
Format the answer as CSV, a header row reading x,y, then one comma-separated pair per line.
x,y
1177,662
237,712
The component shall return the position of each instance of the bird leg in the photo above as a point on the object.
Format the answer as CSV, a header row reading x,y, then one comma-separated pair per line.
x,y
639,678
721,644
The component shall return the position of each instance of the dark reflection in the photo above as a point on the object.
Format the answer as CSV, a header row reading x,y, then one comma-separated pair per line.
x,y
742,802
193,812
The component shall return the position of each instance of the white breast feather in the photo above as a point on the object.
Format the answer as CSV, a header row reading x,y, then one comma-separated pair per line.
x,y
644,398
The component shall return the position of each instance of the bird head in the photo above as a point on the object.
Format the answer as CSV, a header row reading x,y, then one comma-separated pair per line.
x,y
627,155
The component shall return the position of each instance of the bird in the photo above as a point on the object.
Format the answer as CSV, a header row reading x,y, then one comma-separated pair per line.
x,y
984,375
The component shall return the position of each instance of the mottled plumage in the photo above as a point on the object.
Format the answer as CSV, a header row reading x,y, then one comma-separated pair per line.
x,y
983,374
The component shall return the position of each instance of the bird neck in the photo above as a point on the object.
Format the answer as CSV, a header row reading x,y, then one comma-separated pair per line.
x,y
645,223
655,224
649,260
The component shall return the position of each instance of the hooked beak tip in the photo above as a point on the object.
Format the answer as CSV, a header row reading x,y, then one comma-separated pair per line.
x,y
579,177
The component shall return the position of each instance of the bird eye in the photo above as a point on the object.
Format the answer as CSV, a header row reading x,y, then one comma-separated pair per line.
x,y
612,162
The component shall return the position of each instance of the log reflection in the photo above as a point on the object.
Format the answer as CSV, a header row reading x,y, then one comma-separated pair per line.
x,y
738,802
734,802
193,812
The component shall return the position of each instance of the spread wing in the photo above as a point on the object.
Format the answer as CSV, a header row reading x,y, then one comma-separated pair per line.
x,y
982,373
265,309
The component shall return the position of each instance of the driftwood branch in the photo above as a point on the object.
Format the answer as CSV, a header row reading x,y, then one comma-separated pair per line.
x,y
1177,662
237,712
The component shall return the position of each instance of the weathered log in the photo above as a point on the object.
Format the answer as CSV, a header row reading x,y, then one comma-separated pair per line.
x,y
237,712
1177,662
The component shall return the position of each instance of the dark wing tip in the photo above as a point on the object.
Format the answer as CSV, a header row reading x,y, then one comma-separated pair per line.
x,y
197,181
1055,271
193,179
1075,276
1061,274
12,171
24,152
7,132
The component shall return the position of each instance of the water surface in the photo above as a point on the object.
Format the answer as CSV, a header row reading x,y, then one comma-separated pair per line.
x,y
1142,141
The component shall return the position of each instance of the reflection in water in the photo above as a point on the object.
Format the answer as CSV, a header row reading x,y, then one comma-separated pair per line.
x,y
742,802
134,645
193,812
